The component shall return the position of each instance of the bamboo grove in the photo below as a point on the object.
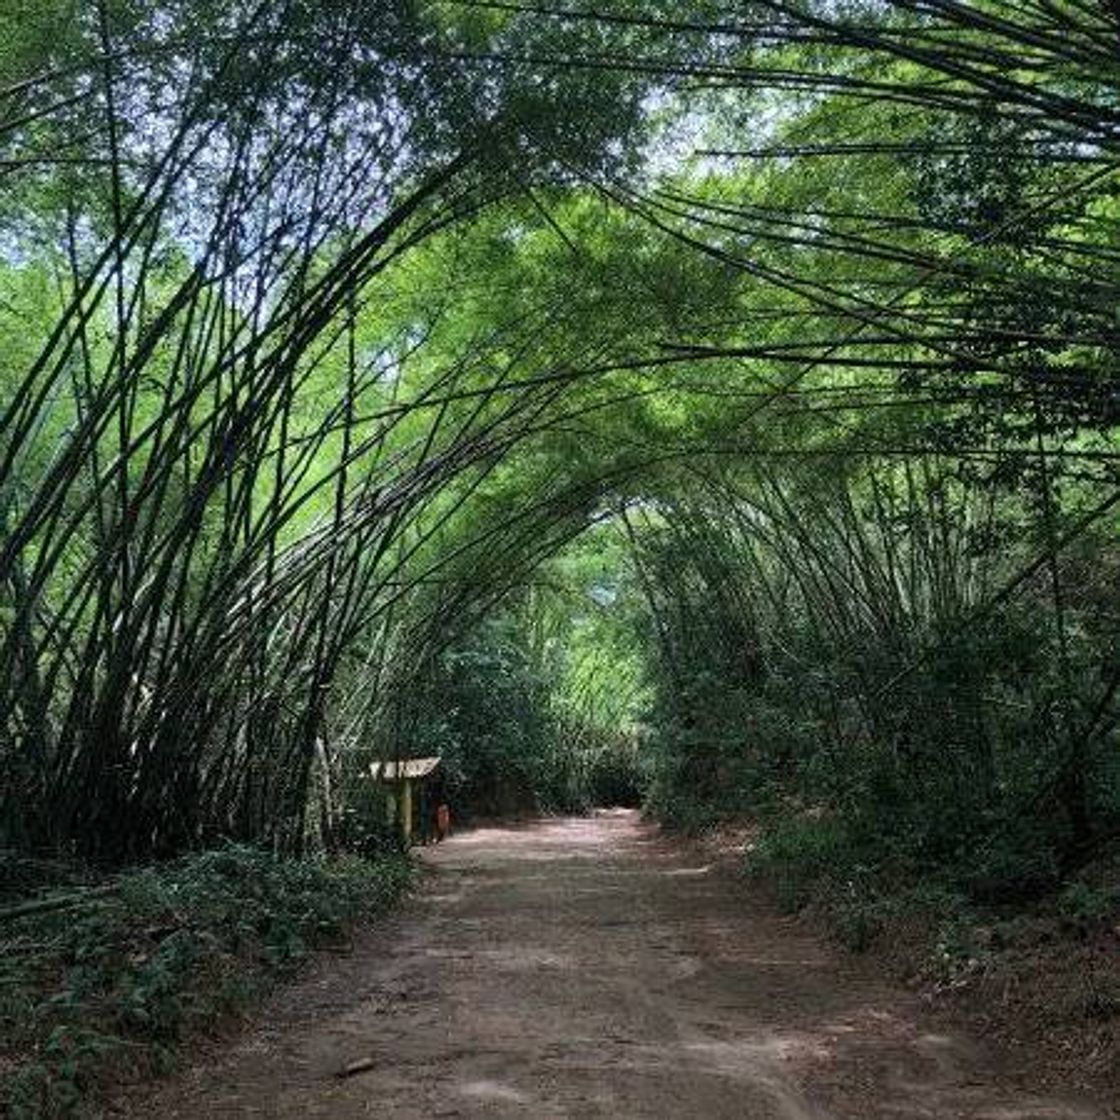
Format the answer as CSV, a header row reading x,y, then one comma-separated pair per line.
x,y
328,327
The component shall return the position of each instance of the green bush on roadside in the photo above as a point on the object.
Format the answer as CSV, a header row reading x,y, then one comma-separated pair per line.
x,y
111,986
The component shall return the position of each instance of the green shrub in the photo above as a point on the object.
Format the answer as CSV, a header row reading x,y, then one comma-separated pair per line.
x,y
1084,908
614,776
798,854
116,983
1013,863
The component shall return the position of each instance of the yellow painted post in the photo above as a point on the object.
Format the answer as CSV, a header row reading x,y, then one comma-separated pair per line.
x,y
406,809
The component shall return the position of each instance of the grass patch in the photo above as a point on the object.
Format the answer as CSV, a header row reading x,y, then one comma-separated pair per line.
x,y
108,987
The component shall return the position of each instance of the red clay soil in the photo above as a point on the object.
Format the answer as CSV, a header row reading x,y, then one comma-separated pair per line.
x,y
593,968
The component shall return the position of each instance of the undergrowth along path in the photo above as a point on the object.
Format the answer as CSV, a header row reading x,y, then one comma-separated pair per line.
x,y
590,967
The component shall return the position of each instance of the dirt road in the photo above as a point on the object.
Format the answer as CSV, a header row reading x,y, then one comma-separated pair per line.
x,y
590,968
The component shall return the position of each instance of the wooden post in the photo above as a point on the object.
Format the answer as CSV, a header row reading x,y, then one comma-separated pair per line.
x,y
406,809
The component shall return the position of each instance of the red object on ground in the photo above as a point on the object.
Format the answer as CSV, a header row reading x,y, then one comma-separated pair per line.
x,y
443,822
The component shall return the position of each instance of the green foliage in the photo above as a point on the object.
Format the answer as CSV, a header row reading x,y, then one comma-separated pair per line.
x,y
111,986
489,709
1087,908
799,854
493,730
831,663
721,412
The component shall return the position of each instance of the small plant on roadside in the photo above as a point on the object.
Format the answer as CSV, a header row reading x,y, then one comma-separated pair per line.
x,y
109,987
1084,908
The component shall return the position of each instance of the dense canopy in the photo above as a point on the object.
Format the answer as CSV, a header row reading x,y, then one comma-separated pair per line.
x,y
709,404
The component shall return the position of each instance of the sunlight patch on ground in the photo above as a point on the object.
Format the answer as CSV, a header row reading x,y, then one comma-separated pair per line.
x,y
492,1091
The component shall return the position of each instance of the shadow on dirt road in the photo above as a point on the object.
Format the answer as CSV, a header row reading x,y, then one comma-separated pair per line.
x,y
589,967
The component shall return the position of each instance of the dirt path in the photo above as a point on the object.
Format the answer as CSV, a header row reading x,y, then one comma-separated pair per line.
x,y
590,968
